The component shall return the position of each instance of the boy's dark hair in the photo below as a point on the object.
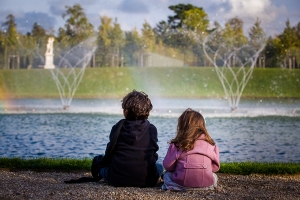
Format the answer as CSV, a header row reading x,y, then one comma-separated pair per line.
x,y
136,105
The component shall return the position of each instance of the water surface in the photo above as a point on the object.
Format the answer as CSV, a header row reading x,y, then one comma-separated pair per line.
x,y
79,135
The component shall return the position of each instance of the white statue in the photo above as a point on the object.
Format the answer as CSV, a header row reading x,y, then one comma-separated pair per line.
x,y
49,54
50,45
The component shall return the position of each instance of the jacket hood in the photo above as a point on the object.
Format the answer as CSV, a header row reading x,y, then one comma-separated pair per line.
x,y
206,149
133,131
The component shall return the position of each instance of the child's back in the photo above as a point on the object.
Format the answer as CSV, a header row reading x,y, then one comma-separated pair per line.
x,y
193,168
192,156
134,160
131,161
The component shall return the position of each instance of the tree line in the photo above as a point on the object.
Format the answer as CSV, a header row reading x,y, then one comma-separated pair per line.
x,y
118,48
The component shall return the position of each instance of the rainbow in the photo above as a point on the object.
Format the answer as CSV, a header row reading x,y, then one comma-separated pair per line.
x,y
5,102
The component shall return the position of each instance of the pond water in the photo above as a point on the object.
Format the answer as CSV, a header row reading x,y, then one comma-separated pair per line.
x,y
261,130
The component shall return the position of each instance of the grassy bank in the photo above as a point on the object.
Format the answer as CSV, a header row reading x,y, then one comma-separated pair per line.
x,y
185,82
68,164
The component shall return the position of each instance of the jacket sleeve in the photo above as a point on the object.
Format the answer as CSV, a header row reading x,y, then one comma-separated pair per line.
x,y
106,160
170,160
153,135
216,160
109,145
113,137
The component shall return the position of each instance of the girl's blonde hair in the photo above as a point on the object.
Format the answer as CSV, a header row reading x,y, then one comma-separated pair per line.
x,y
190,126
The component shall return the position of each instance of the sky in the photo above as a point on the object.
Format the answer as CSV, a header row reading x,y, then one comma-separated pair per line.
x,y
273,14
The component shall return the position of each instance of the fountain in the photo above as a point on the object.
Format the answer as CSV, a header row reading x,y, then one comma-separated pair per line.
x,y
233,62
261,130
68,74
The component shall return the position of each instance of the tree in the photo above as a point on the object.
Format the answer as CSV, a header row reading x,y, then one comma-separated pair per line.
x,y
109,42
298,33
77,27
133,46
273,52
161,29
289,41
148,42
104,41
234,35
283,50
10,42
38,34
257,38
2,50
256,34
176,21
116,36
148,37
38,31
234,30
11,31
181,28
196,19
39,43
229,43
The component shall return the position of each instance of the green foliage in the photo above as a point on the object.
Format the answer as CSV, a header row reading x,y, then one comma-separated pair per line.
x,y
10,41
148,37
183,12
257,34
117,44
161,32
289,37
77,27
273,52
284,49
234,29
175,33
196,19
104,41
133,47
170,38
11,31
109,42
38,31
2,50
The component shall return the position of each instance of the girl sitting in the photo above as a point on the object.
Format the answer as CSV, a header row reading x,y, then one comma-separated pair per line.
x,y
192,157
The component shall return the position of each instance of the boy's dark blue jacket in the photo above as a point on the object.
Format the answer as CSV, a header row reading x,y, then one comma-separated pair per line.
x,y
133,160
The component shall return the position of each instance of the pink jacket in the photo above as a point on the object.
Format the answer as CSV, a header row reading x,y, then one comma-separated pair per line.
x,y
193,168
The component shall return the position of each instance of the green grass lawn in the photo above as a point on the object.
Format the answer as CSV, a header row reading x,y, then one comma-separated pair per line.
x,y
186,82
69,164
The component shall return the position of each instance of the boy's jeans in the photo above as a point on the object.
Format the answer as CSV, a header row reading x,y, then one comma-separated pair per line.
x,y
104,171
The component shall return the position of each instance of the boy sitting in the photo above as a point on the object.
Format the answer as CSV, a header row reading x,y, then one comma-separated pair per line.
x,y
130,156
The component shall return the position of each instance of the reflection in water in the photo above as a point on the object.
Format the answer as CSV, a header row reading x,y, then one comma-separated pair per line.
x,y
269,138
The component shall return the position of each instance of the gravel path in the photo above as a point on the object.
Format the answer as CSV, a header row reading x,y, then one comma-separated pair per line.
x,y
50,185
